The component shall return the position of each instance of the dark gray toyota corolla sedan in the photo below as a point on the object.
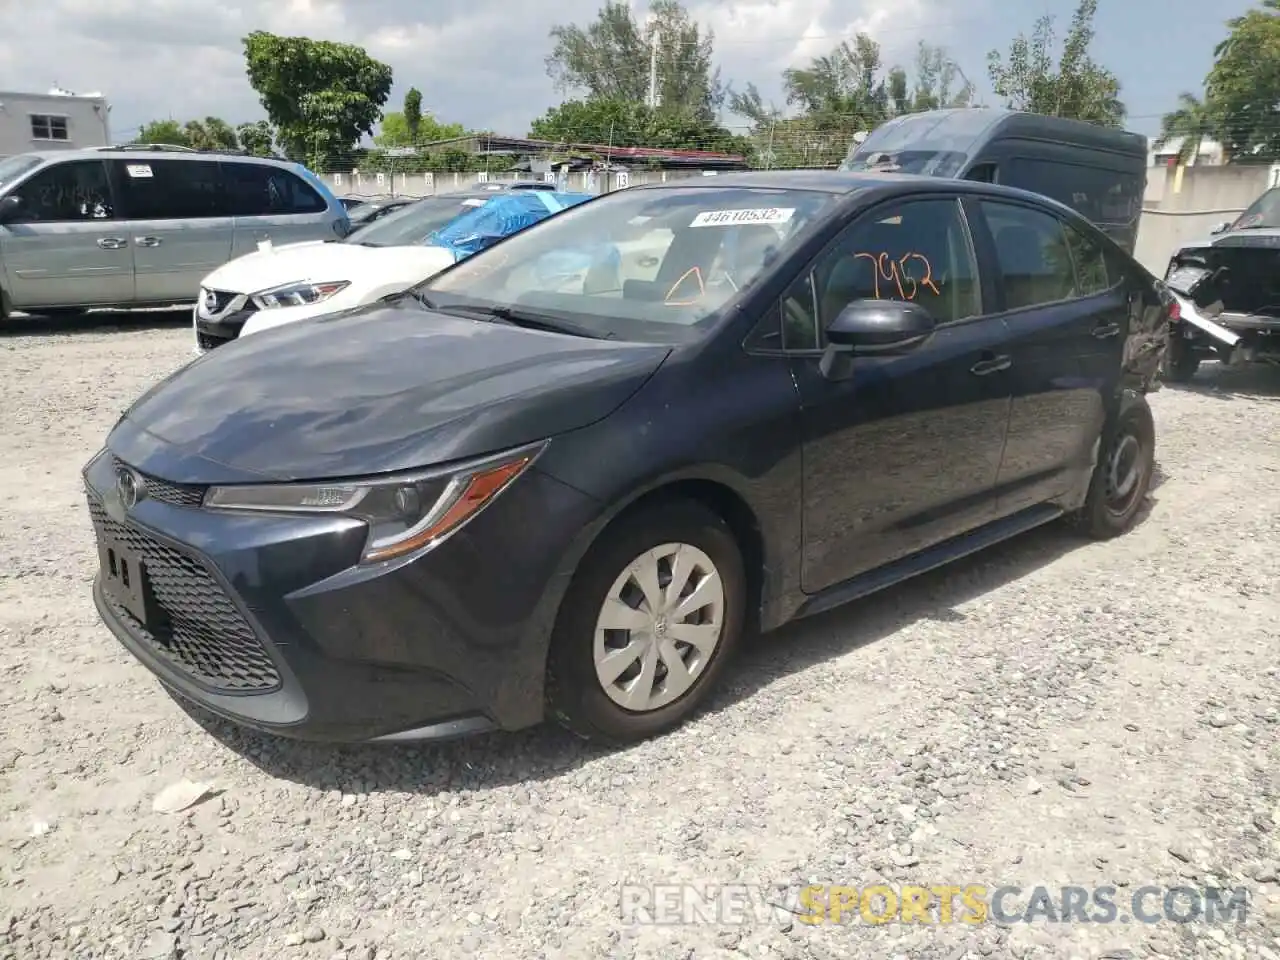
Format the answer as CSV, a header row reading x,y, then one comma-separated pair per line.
x,y
566,475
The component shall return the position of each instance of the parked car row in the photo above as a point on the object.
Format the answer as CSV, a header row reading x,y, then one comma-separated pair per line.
x,y
566,472
145,224
279,285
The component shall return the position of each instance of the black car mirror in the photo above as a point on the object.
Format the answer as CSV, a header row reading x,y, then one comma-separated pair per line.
x,y
873,328
10,208
880,326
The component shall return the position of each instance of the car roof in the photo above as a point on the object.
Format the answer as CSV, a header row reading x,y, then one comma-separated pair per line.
x,y
841,183
159,151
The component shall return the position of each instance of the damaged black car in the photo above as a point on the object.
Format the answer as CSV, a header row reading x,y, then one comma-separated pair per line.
x,y
1229,285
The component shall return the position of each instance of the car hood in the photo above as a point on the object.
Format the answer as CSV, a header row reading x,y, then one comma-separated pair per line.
x,y
327,262
384,389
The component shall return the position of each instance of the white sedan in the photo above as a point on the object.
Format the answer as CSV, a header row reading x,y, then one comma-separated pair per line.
x,y
278,285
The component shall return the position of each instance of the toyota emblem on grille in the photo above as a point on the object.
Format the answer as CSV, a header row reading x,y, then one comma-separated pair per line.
x,y
210,301
129,487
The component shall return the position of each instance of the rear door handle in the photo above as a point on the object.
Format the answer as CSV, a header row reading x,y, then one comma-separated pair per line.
x,y
148,241
1104,331
112,243
990,363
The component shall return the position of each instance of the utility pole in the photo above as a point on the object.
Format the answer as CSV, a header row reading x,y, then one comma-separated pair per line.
x,y
653,69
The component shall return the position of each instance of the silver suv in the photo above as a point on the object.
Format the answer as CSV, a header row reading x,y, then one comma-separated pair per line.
x,y
142,226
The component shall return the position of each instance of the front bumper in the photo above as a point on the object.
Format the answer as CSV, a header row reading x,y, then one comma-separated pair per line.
x,y
269,621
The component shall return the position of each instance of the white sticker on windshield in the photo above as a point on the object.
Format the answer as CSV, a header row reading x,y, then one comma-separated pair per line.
x,y
732,218
139,169
473,202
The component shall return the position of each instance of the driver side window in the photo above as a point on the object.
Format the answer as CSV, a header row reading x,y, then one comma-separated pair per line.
x,y
917,251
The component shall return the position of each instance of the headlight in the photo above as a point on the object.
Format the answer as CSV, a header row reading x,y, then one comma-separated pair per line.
x,y
297,294
404,513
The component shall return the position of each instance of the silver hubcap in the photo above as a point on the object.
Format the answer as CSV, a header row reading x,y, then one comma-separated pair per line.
x,y
659,626
1124,472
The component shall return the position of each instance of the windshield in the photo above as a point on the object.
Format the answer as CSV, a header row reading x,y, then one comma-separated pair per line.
x,y
13,167
936,143
1263,213
413,224
655,264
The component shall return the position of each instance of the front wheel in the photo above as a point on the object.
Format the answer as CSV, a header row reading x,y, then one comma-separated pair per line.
x,y
1122,477
651,620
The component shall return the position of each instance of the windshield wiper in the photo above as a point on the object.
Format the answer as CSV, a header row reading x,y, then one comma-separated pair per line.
x,y
533,321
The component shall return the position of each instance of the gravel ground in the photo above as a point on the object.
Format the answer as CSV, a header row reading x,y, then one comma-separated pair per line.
x,y
1050,712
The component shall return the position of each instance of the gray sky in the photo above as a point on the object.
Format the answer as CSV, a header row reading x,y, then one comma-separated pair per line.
x,y
480,62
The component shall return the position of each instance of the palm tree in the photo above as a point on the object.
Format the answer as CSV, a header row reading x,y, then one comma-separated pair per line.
x,y
1193,121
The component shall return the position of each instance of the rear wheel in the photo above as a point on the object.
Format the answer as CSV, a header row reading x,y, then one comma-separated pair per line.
x,y
1122,477
649,623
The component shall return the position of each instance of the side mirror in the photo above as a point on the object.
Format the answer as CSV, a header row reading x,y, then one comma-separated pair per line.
x,y
10,208
1220,228
874,328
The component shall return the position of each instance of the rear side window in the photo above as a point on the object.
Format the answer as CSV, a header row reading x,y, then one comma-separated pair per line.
x,y
1090,264
259,190
1032,253
67,192
170,189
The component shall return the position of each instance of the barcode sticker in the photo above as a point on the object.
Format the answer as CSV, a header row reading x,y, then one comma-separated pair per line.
x,y
733,218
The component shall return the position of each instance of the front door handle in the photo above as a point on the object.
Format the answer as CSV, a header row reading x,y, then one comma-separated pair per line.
x,y
991,363
112,243
148,241
1104,331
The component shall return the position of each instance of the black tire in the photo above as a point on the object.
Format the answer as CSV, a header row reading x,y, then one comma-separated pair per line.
x,y
1180,361
1108,512
575,696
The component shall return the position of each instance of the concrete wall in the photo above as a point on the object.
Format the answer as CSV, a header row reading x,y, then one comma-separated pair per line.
x,y
1174,210
87,122
423,184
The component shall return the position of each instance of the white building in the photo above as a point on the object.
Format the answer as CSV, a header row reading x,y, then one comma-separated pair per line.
x,y
1209,154
57,120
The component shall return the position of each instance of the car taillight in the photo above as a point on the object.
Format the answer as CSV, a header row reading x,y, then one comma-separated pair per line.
x,y
1175,309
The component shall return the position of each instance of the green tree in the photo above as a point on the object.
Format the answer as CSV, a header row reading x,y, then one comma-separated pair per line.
x,y
1243,88
1193,122
935,81
624,123
321,96
1076,87
609,59
394,131
413,113
163,131
211,133
256,138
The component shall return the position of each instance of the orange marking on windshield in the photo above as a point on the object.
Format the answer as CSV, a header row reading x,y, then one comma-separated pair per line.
x,y
702,289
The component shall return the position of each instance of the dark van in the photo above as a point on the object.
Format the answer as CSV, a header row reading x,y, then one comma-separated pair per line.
x,y
1100,172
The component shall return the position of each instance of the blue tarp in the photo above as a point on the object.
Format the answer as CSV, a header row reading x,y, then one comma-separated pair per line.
x,y
502,215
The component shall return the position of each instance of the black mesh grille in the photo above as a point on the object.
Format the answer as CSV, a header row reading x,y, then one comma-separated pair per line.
x,y
202,632
208,342
178,494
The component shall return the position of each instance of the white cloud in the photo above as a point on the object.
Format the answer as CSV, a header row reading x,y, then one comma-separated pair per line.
x,y
480,62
